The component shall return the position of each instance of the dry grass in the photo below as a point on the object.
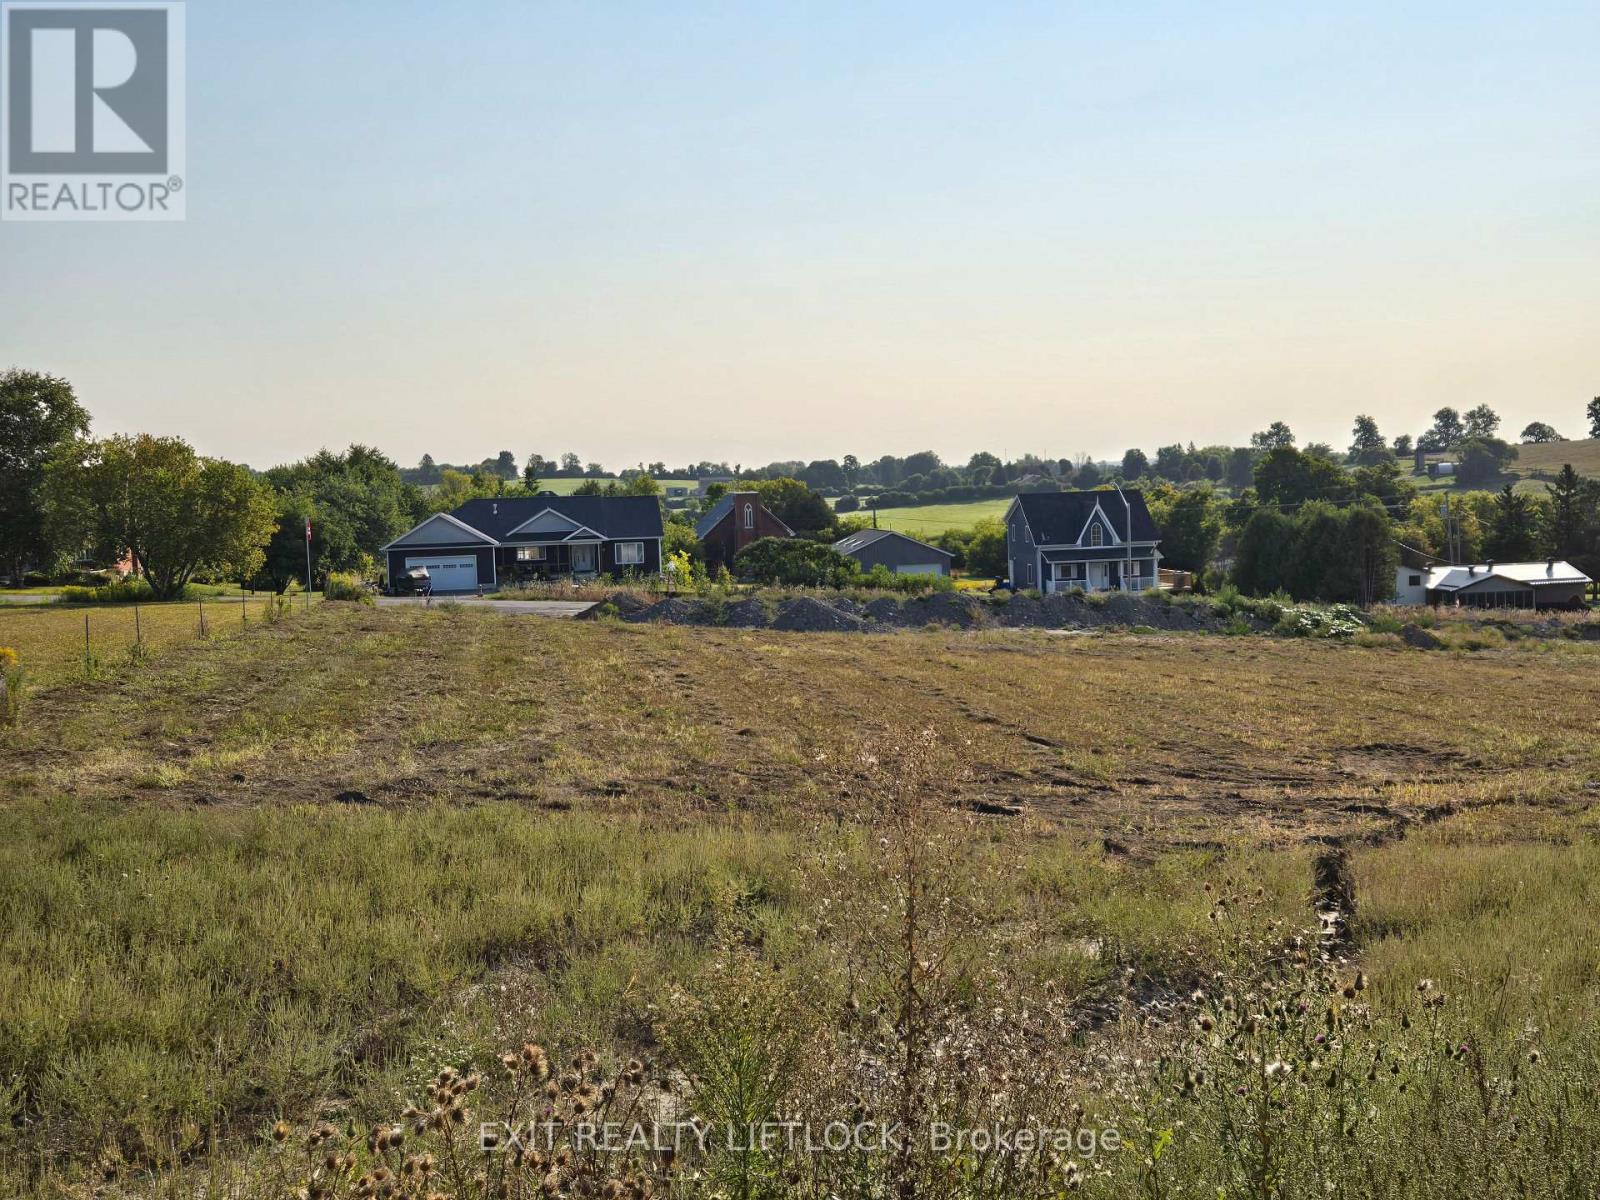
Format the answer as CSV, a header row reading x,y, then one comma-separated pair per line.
x,y
306,865
51,638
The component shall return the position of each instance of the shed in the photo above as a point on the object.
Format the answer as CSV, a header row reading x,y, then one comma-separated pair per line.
x,y
894,551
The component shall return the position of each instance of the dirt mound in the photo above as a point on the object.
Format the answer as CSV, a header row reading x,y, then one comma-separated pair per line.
x,y
943,608
885,610
749,613
624,604
676,611
1415,635
802,614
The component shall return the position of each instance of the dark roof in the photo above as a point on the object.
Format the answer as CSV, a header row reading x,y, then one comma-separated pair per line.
x,y
713,514
720,509
612,517
1059,517
863,538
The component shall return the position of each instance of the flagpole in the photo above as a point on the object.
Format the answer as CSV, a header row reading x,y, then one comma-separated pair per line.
x,y
308,564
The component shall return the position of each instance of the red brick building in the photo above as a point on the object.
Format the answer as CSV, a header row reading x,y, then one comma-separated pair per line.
x,y
735,521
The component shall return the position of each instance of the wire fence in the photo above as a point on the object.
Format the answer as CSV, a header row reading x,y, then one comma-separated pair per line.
x,y
59,643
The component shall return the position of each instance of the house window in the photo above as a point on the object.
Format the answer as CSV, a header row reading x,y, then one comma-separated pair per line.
x,y
630,554
530,553
1097,536
749,516
1414,580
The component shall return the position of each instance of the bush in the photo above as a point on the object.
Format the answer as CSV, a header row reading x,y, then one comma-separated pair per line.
x,y
796,562
128,591
881,577
346,587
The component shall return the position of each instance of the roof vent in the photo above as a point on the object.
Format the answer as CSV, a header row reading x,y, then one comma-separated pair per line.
x,y
1472,569
495,508
1550,567
1488,567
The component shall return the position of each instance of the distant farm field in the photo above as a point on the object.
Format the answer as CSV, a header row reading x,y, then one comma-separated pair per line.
x,y
928,520
291,873
1549,457
565,487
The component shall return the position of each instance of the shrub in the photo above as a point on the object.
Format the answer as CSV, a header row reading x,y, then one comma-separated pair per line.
x,y
1338,621
796,562
346,587
881,577
127,591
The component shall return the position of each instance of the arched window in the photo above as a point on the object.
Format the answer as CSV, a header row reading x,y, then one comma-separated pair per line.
x,y
1097,536
749,516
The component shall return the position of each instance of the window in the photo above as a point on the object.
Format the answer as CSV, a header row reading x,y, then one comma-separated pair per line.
x,y
749,516
630,554
1097,536
530,553
1413,580
1030,574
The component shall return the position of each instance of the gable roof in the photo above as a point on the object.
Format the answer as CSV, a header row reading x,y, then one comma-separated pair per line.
x,y
863,538
1059,518
458,533
724,506
1529,574
610,517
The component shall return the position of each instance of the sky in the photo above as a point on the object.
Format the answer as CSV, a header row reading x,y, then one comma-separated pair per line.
x,y
751,232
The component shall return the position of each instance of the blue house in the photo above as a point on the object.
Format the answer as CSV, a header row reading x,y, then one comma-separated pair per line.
x,y
1093,541
491,542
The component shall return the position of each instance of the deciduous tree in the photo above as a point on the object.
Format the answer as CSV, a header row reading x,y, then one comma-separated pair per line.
x,y
179,515
39,416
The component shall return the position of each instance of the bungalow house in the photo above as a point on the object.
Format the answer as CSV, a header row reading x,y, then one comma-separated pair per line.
x,y
1093,541
1549,584
732,523
902,555
489,542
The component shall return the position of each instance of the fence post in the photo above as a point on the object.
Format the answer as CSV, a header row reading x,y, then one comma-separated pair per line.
x,y
202,617
138,634
87,656
244,611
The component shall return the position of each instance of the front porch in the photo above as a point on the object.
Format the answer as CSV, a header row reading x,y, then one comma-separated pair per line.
x,y
1102,575
543,561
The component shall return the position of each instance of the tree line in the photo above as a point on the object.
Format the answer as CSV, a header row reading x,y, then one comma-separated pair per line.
x,y
1314,522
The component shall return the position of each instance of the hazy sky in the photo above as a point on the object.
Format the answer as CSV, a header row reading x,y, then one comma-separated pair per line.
x,y
753,232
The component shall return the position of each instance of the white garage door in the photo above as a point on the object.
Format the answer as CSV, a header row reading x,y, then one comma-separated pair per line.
x,y
448,573
919,569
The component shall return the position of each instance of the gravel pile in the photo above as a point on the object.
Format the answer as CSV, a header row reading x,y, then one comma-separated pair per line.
x,y
803,614
749,613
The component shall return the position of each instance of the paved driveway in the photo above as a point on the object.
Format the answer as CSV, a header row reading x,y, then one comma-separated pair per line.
x,y
533,608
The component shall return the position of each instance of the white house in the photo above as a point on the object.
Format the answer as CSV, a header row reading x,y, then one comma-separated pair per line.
x,y
1549,584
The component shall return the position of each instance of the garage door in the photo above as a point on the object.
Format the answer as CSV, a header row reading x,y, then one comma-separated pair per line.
x,y
448,573
919,569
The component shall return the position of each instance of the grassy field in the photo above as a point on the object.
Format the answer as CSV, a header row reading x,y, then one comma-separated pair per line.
x,y
71,641
565,487
1549,457
928,520
293,872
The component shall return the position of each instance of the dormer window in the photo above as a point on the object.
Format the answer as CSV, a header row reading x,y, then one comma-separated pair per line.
x,y
749,516
1097,535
